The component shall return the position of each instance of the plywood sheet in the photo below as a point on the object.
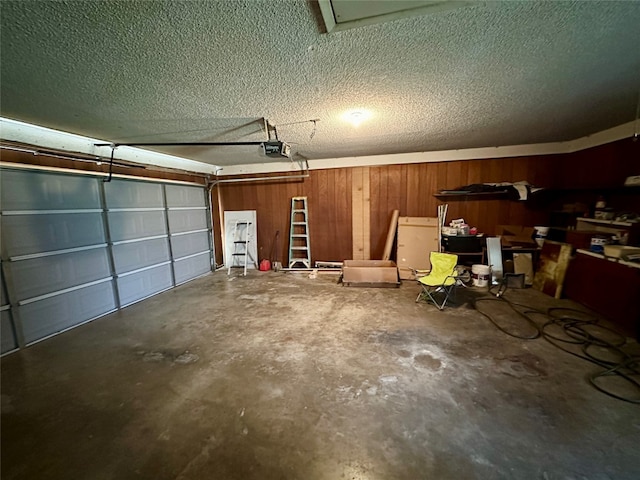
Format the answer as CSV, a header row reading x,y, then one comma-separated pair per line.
x,y
554,261
417,238
360,213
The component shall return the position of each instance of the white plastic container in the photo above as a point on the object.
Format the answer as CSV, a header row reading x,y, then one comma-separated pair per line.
x,y
598,243
541,234
480,275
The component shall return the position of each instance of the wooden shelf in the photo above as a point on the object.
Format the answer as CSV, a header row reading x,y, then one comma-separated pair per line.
x,y
543,194
461,195
630,189
609,259
613,223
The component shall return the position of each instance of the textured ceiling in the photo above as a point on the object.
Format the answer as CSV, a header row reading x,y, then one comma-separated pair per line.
x,y
490,74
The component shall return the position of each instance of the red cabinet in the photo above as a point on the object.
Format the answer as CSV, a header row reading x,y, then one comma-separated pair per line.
x,y
608,287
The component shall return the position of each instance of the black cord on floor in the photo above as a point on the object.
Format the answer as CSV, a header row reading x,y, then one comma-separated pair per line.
x,y
577,332
523,314
626,367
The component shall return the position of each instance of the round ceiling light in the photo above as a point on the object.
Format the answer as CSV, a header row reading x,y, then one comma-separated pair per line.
x,y
357,116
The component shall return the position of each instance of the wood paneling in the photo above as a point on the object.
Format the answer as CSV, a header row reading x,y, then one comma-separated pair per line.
x,y
330,221
410,189
329,201
378,197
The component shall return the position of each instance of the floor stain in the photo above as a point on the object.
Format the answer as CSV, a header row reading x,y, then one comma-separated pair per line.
x,y
523,365
181,359
428,361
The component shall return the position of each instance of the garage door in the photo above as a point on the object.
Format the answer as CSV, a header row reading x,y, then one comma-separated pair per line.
x,y
75,248
189,231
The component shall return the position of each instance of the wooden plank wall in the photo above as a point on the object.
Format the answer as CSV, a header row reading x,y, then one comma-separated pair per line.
x,y
329,202
410,188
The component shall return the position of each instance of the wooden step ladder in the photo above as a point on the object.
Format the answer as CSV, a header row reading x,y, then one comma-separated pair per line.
x,y
241,237
299,248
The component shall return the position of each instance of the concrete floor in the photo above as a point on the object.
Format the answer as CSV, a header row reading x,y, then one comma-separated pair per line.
x,y
279,376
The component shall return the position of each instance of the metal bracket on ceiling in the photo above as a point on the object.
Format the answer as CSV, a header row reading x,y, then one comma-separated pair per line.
x,y
313,121
270,128
304,164
315,126
110,176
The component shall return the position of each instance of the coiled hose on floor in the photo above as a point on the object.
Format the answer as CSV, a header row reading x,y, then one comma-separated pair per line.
x,y
579,329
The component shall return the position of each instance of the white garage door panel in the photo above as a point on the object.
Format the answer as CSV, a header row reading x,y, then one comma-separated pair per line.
x,y
26,234
136,286
7,338
192,267
132,194
179,196
131,256
132,225
23,190
190,243
46,317
38,276
187,220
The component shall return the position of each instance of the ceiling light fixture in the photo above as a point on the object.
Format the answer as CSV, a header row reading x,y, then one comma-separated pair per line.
x,y
356,117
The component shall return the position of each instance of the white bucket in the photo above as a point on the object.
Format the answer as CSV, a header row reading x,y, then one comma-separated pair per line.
x,y
541,234
480,275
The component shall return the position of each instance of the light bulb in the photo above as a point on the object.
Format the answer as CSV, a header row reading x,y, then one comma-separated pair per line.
x,y
356,117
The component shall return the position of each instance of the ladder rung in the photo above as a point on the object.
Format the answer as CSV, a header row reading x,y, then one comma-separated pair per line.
x,y
299,248
239,254
298,223
300,210
300,235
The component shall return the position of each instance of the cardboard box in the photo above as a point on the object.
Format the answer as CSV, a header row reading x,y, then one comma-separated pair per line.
x,y
370,273
516,236
417,238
